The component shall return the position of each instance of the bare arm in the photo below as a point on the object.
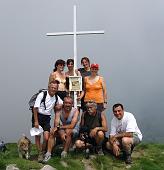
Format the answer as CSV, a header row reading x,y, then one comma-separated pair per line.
x,y
36,123
58,107
104,122
104,90
57,111
115,145
81,94
57,118
52,77
124,134
77,72
104,127
112,139
83,91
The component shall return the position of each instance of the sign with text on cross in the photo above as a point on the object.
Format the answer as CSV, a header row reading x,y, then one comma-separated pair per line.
x,y
75,33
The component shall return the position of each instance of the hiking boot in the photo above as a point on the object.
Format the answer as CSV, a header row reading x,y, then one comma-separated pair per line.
x,y
128,159
40,157
47,157
63,154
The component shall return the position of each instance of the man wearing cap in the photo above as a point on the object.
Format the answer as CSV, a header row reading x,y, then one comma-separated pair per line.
x,y
95,88
93,123
124,134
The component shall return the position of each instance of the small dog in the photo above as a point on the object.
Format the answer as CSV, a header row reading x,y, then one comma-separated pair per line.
x,y
24,147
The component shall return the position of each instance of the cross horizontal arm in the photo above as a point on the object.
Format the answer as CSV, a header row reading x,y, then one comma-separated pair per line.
x,y
77,33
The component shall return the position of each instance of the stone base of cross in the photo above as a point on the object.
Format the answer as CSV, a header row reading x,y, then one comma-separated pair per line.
x,y
75,33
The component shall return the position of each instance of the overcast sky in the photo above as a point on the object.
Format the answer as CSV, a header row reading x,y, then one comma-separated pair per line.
x,y
130,55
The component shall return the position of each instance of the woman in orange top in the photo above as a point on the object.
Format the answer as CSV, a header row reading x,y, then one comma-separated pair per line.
x,y
95,88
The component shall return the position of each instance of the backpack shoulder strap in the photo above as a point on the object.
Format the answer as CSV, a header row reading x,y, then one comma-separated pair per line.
x,y
56,98
44,98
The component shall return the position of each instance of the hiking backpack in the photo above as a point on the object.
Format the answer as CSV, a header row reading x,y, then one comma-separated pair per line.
x,y
33,99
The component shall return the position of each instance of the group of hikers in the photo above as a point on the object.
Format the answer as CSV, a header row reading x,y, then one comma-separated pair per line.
x,y
82,127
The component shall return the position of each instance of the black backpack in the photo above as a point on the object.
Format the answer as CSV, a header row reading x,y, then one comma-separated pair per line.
x,y
33,99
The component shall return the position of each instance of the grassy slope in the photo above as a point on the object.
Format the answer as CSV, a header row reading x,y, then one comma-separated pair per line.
x,y
145,157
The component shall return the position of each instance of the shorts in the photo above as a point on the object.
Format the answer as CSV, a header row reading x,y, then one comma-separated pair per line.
x,y
136,139
44,121
75,133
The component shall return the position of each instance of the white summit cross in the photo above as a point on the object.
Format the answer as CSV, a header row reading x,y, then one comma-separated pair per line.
x,y
75,33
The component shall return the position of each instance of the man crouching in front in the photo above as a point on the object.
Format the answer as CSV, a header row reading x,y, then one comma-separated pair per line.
x,y
67,131
95,124
124,134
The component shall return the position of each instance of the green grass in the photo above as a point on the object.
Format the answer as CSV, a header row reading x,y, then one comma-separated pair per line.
x,y
145,157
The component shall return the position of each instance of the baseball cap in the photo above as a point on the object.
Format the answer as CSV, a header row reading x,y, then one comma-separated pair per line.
x,y
94,65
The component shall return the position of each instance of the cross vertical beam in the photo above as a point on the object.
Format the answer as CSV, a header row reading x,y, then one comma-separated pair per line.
x,y
75,40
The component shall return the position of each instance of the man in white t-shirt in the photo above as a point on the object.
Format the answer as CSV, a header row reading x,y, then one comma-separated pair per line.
x,y
42,115
124,134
